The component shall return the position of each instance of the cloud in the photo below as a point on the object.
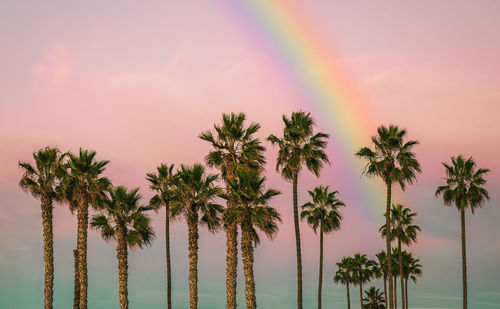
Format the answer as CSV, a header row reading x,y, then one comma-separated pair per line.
x,y
54,68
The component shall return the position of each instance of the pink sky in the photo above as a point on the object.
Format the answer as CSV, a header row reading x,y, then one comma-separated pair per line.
x,y
138,83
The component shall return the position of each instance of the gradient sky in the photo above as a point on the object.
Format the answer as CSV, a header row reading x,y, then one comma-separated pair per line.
x,y
137,82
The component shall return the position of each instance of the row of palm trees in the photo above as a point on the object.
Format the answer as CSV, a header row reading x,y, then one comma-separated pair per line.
x,y
76,180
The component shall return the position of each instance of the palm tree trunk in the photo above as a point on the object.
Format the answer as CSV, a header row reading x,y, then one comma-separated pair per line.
x,y
248,260
385,290
464,259
388,242
76,293
403,303
83,222
348,297
167,252
320,280
297,242
231,263
395,292
406,292
361,295
48,252
121,254
193,260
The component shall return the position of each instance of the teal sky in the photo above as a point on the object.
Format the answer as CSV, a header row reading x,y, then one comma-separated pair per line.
x,y
137,82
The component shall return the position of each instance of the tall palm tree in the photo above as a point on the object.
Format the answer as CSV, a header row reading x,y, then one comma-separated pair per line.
x,y
413,270
299,146
362,272
252,214
323,213
234,145
374,299
194,193
464,189
163,184
402,229
382,264
393,160
126,222
344,275
83,187
42,180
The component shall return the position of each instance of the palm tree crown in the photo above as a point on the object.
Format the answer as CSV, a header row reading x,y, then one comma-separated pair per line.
x,y
464,184
374,299
122,213
402,227
299,146
392,158
323,211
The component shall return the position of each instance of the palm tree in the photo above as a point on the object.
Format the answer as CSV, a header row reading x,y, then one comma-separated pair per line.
x,y
323,213
163,184
233,145
252,214
194,193
464,189
374,299
413,270
82,187
402,229
362,272
124,221
299,146
394,162
382,265
42,181
344,275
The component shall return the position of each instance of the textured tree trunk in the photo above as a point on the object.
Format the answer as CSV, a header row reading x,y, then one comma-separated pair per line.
x,y
395,292
193,259
167,253
348,297
320,279
83,222
48,252
231,263
361,295
121,254
76,293
406,292
464,259
248,260
385,290
297,242
403,303
388,243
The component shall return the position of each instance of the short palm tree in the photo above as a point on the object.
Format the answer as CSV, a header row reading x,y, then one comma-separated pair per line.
x,y
393,160
323,214
362,272
374,299
83,187
344,275
464,189
413,271
42,180
126,222
382,265
194,193
253,214
163,183
299,146
233,145
402,229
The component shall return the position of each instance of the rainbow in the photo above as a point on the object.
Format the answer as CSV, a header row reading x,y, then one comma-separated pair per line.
x,y
307,62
